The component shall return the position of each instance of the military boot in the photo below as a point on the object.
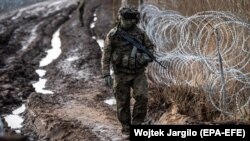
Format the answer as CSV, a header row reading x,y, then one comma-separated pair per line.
x,y
126,129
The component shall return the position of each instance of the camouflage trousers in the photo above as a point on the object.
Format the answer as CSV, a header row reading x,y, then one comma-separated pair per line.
x,y
122,86
81,12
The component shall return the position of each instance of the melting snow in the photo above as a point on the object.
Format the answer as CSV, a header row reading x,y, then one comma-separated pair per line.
x,y
54,52
40,86
92,25
14,120
41,72
72,58
100,43
19,110
110,101
52,55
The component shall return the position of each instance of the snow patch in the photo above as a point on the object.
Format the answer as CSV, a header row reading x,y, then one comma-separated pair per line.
x,y
14,120
33,36
20,12
19,110
92,25
110,101
41,72
70,59
100,43
40,86
54,52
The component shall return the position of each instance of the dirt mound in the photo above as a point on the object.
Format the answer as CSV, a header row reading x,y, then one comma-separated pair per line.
x,y
49,126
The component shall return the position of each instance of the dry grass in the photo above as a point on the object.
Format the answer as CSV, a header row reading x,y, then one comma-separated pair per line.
x,y
192,100
190,7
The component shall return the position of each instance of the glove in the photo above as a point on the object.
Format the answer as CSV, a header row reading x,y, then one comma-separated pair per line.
x,y
108,81
145,59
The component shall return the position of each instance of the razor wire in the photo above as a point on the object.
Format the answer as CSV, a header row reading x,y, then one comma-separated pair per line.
x,y
209,50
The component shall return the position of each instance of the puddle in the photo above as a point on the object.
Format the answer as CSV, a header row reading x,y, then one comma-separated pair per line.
x,y
14,120
110,101
19,110
41,72
40,86
54,52
100,43
111,71
33,36
92,25
70,59
52,55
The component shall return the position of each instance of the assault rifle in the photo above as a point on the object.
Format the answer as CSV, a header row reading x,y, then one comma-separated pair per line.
x,y
136,43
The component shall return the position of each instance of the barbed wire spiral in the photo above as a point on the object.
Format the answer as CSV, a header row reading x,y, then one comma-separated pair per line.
x,y
209,50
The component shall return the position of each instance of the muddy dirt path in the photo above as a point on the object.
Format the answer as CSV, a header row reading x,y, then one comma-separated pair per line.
x,y
74,107
76,110
25,35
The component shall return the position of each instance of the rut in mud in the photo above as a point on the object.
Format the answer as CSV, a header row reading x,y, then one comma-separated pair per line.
x,y
79,93
74,102
65,99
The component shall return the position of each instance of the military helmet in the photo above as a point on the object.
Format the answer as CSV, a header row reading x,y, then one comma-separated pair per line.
x,y
129,13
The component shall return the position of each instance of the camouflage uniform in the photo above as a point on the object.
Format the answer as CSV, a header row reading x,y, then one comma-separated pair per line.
x,y
1,128
81,11
128,73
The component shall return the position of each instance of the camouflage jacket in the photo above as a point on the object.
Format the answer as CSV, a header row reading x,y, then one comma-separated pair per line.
x,y
117,52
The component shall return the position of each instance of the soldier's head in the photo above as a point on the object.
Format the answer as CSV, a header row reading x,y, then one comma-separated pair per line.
x,y
128,17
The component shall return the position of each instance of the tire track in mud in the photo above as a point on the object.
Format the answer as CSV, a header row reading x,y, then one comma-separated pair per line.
x,y
23,42
79,93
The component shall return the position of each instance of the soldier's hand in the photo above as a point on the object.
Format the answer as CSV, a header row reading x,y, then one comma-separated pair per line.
x,y
145,59
108,81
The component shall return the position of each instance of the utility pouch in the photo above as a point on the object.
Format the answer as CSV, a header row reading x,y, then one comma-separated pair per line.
x,y
116,58
125,61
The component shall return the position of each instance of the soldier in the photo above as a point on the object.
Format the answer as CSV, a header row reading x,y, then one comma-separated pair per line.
x,y
80,8
129,66
1,127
